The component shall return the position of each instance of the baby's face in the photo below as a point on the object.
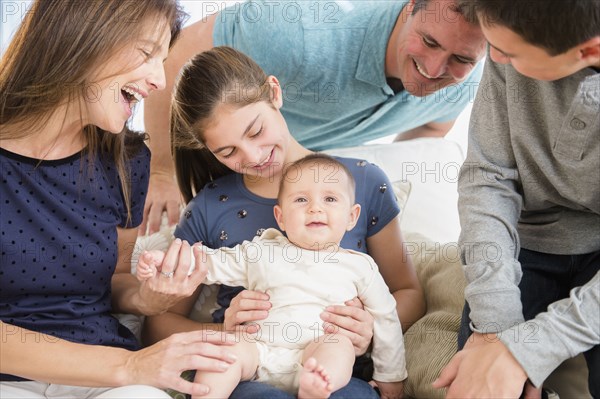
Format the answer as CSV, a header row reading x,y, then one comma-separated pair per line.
x,y
316,206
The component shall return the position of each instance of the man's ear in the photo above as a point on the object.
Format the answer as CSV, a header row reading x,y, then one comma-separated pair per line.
x,y
589,51
411,6
278,213
276,93
354,214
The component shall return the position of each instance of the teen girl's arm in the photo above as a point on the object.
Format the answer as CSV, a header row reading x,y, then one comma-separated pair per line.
x,y
42,357
388,250
175,320
157,294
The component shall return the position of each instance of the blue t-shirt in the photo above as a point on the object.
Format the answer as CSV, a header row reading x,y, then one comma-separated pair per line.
x,y
330,59
225,213
59,222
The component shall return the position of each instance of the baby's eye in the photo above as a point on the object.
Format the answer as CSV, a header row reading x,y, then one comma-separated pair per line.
x,y
330,199
300,199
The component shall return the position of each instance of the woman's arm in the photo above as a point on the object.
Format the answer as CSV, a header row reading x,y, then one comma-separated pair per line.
x,y
387,249
159,293
42,357
59,361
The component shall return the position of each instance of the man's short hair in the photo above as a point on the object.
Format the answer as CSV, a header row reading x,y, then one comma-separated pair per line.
x,y
454,5
554,25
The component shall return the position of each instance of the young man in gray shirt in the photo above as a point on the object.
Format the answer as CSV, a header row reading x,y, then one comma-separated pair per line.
x,y
530,201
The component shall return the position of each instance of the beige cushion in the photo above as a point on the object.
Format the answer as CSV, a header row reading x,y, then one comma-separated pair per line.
x,y
431,342
569,380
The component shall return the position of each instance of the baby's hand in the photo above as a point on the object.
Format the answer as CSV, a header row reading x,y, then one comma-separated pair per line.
x,y
390,390
148,264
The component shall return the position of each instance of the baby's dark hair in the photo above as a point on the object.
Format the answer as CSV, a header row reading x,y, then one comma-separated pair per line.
x,y
554,25
316,159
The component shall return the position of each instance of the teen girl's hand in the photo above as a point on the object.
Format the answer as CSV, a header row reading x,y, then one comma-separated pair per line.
x,y
247,307
352,321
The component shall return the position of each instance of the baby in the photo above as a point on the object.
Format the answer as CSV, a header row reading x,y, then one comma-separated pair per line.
x,y
303,274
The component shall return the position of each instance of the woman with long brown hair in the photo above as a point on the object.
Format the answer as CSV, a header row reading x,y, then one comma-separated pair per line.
x,y
74,180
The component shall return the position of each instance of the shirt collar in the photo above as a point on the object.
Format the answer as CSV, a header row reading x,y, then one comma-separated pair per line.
x,y
371,62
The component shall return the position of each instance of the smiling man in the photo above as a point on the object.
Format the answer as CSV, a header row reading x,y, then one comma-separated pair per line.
x,y
529,201
351,71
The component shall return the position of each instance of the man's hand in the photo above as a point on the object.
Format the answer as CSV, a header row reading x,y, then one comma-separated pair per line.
x,y
163,195
485,368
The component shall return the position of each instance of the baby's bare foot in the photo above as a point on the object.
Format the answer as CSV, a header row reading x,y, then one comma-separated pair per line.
x,y
314,381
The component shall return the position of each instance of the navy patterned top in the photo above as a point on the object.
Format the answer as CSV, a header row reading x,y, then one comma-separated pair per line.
x,y
59,222
225,213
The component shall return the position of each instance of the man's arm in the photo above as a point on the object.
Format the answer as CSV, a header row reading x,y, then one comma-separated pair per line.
x,y
163,193
489,207
431,129
496,367
570,326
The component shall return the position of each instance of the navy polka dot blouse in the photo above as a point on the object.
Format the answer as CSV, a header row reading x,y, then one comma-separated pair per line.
x,y
58,228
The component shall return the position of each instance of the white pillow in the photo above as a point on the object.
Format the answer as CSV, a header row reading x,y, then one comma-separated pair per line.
x,y
431,165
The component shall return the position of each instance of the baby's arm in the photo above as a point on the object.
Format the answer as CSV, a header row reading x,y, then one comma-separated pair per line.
x,y
388,343
148,264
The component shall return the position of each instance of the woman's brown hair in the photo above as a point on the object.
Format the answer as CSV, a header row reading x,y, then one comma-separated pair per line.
x,y
221,75
53,54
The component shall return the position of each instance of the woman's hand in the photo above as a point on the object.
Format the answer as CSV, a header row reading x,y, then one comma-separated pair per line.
x,y
352,321
173,281
246,307
161,364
